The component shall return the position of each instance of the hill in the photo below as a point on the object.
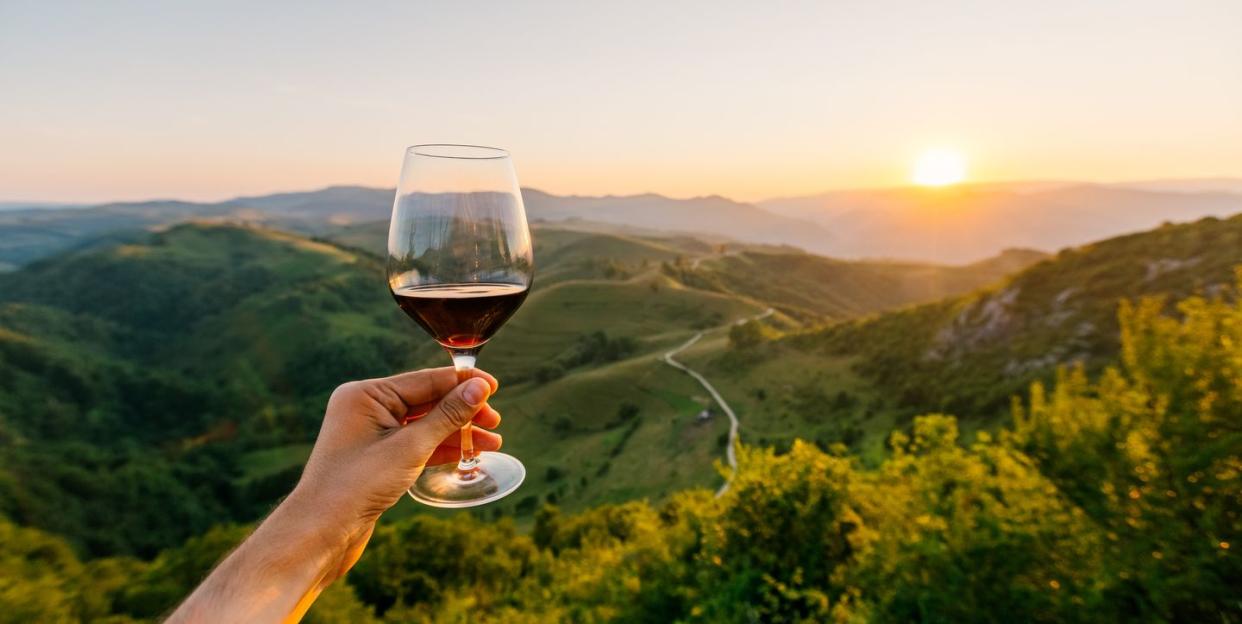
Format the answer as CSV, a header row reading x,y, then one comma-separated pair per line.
x,y
812,287
161,383
1113,499
967,355
199,358
965,223
137,375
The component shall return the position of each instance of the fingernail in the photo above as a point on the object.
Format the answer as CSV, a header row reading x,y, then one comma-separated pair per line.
x,y
475,391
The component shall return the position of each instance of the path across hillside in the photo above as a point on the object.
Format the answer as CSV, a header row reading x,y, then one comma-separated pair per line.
x,y
730,452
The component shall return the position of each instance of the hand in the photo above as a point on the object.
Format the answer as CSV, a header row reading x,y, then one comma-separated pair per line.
x,y
365,459
376,438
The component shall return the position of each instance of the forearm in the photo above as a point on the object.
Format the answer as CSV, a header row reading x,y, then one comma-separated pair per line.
x,y
363,461
275,574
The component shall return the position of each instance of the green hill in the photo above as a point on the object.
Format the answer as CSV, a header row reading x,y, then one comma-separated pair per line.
x,y
131,382
808,286
1102,500
968,355
192,364
164,383
853,381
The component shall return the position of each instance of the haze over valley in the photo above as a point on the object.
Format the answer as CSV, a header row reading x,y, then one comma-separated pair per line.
x,y
955,225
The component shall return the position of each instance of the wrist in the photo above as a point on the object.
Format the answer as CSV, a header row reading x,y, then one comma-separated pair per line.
x,y
278,570
312,522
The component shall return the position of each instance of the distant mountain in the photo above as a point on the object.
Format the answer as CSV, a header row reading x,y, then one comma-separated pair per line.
x,y
21,205
949,225
700,215
961,224
1186,185
28,234
32,233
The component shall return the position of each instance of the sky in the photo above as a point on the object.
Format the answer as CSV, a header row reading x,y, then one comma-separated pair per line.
x,y
123,100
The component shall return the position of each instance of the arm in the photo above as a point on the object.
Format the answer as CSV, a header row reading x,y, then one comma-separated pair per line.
x,y
362,463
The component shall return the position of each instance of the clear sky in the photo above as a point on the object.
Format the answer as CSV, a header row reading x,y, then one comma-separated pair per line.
x,y
121,100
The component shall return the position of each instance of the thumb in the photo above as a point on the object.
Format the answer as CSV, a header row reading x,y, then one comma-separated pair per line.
x,y
418,439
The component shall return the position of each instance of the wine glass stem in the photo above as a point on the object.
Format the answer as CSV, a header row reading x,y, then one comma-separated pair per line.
x,y
463,361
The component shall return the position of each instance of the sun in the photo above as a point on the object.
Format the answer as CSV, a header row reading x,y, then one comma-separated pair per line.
x,y
939,167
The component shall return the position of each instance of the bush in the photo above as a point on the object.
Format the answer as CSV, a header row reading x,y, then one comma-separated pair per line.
x,y
553,473
749,334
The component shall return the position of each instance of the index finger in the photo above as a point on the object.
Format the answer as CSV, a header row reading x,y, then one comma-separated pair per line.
x,y
423,386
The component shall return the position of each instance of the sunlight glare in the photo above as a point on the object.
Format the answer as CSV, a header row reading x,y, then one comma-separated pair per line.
x,y
939,167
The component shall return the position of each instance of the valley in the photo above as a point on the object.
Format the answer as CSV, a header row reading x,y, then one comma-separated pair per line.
x,y
236,335
157,383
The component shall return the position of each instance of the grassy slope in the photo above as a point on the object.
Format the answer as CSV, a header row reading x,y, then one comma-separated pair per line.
x,y
970,354
810,286
967,355
267,324
279,320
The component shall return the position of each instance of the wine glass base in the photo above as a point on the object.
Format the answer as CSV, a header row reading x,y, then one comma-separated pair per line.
x,y
496,476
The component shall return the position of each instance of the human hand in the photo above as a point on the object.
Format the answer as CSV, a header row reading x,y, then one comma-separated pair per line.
x,y
376,438
365,457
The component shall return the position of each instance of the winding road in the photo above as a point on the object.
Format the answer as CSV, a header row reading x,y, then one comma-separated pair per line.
x,y
730,450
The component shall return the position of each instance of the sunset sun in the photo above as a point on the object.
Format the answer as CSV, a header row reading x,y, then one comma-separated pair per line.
x,y
939,167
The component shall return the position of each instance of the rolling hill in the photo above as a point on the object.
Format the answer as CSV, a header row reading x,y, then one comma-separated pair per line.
x,y
194,362
814,287
158,383
854,381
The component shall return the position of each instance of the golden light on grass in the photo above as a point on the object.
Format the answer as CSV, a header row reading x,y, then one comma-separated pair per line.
x,y
939,167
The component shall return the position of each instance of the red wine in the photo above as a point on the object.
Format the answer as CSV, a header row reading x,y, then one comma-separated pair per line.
x,y
461,315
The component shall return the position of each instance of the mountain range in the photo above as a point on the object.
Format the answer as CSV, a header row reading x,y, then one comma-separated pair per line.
x,y
959,224
968,222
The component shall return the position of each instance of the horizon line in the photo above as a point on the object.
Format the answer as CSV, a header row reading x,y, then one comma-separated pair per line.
x,y
827,191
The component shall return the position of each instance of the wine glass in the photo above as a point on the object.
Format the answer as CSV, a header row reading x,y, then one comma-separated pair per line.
x,y
460,263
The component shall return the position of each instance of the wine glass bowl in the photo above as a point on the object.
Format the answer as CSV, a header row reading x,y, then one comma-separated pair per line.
x,y
460,263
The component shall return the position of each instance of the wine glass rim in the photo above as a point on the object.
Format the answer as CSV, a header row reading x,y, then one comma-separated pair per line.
x,y
458,151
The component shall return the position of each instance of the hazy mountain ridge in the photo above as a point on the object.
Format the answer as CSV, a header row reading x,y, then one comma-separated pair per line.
x,y
1221,184
964,223
29,234
707,215
949,225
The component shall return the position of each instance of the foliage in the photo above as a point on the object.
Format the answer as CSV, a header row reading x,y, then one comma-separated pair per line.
x,y
749,334
419,562
1107,501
